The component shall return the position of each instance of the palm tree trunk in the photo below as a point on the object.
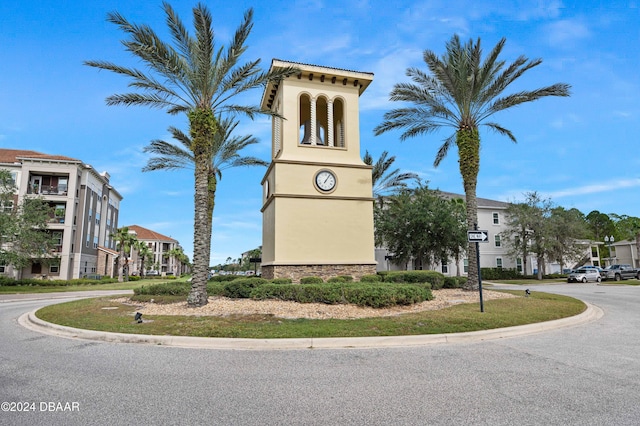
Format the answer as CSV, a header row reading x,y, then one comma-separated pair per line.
x,y
468,141
202,129
120,266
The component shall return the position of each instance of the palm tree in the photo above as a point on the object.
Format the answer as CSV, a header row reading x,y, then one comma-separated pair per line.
x,y
193,76
179,257
144,253
462,92
125,241
384,181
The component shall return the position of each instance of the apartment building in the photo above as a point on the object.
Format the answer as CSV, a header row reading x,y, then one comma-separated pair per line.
x,y
161,248
85,209
492,217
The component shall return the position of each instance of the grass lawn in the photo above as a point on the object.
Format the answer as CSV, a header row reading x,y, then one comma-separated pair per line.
x,y
103,315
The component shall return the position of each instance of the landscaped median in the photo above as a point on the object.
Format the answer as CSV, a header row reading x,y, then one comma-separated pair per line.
x,y
117,315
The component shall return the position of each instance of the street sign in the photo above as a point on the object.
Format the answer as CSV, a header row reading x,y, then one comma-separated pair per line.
x,y
478,236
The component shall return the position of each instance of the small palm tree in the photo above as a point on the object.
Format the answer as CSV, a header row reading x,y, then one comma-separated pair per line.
x,y
180,258
193,76
462,92
144,254
386,182
125,241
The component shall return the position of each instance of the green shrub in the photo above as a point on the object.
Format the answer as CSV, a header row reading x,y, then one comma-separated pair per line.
x,y
336,280
7,281
223,278
365,294
451,282
436,279
370,278
167,289
241,289
311,280
385,295
281,281
347,278
215,288
310,293
500,274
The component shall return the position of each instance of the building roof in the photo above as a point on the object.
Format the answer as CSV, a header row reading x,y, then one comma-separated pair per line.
x,y
148,234
358,79
482,202
9,156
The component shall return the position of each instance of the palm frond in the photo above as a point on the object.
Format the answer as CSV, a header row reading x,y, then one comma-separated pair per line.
x,y
501,130
444,149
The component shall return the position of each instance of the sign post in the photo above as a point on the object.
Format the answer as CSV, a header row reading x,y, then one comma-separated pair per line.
x,y
477,236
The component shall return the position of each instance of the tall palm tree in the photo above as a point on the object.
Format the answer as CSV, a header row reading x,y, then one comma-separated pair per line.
x,y
462,91
191,75
385,181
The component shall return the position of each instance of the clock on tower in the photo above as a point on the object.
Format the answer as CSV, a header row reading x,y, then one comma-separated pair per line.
x,y
318,206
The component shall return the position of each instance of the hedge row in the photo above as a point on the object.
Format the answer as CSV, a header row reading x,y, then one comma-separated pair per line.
x,y
377,295
372,295
10,282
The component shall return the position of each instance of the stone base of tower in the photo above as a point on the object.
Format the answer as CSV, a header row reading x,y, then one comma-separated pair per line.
x,y
295,272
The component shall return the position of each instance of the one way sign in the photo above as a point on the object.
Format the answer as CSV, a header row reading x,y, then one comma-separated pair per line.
x,y
478,236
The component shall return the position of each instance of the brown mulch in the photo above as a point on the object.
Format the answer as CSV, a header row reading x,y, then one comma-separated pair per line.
x,y
221,306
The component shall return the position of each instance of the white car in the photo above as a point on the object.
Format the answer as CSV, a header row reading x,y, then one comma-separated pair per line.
x,y
584,275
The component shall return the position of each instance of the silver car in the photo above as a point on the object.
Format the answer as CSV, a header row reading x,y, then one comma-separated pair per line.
x,y
584,275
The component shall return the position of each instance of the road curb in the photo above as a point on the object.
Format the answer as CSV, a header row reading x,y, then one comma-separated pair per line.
x,y
30,321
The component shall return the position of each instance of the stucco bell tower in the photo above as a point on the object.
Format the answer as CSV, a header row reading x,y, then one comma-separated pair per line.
x,y
317,213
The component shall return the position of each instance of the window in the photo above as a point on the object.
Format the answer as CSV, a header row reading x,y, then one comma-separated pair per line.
x,y
497,241
54,268
519,265
95,242
466,266
97,218
445,268
498,262
86,244
3,268
496,219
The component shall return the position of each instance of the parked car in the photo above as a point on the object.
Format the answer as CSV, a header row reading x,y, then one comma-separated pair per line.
x,y
584,275
621,272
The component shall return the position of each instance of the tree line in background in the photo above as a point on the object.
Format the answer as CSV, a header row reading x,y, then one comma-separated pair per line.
x,y
420,225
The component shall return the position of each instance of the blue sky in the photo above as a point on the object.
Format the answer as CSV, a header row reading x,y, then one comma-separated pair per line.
x,y
580,151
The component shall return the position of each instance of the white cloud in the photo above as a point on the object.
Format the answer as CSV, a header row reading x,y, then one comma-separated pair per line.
x,y
565,33
594,188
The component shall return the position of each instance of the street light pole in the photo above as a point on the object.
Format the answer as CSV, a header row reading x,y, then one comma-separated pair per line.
x,y
609,240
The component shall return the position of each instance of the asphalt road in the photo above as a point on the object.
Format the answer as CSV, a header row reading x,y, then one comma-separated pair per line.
x,y
582,375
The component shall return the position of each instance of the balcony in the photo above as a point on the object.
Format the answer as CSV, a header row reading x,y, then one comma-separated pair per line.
x,y
47,189
48,184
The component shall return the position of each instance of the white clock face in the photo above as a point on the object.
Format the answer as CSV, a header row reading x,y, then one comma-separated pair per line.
x,y
325,180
